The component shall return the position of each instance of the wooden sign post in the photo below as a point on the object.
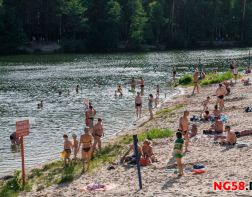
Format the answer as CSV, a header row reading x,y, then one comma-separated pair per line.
x,y
22,129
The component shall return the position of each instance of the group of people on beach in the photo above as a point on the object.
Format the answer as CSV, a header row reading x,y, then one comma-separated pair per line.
x,y
218,128
87,144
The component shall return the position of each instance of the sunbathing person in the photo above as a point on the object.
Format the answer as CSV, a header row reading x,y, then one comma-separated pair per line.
x,y
230,139
246,82
218,126
194,131
206,116
148,152
132,159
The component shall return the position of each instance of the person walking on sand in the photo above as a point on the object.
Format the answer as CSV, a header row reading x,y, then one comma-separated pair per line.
x,y
184,128
178,152
138,104
220,93
150,105
86,142
98,133
196,81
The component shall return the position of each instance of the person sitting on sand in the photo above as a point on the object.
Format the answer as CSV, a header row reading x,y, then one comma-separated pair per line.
x,y
216,111
231,137
194,131
67,149
196,81
184,128
248,70
205,104
220,93
75,145
132,159
86,143
218,126
91,114
148,152
206,116
178,152
98,133
246,82
14,139
138,104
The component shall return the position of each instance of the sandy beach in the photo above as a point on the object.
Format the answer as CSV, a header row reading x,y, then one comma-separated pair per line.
x,y
222,163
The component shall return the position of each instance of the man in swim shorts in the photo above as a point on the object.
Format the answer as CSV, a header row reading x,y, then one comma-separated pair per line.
x,y
196,81
231,137
218,126
98,133
86,142
138,104
220,93
178,152
184,128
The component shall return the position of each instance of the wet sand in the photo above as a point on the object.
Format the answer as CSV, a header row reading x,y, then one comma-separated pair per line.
x,y
222,163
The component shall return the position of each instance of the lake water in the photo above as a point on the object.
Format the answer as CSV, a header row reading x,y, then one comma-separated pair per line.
x,y
23,85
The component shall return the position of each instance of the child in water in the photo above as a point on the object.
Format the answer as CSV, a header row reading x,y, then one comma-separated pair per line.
x,y
67,149
75,145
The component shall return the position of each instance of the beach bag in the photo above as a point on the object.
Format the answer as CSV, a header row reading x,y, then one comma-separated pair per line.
x,y
144,162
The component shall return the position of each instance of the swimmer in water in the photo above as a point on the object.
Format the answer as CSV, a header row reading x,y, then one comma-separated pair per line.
x,y
77,89
14,140
158,90
119,90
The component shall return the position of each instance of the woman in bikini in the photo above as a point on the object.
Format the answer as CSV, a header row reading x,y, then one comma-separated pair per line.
x,y
86,142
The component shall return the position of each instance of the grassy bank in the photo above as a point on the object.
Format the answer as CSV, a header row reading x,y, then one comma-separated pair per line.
x,y
55,173
210,78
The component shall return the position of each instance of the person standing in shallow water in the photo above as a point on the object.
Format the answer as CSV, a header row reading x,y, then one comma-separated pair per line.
x,y
98,133
138,105
133,83
174,72
91,114
77,89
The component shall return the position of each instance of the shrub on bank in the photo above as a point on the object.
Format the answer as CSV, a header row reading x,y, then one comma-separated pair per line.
x,y
186,79
216,78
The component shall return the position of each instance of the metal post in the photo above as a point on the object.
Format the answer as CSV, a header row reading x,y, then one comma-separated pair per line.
x,y
22,156
137,160
249,58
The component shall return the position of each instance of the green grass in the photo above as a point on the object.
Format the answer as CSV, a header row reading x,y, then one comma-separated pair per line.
x,y
186,79
216,78
55,173
166,112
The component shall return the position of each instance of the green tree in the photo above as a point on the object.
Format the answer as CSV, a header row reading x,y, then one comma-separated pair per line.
x,y
12,35
138,21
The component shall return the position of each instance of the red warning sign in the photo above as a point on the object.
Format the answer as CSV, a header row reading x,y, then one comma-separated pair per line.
x,y
22,128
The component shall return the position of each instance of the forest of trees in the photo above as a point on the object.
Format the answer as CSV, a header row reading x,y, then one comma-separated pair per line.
x,y
116,25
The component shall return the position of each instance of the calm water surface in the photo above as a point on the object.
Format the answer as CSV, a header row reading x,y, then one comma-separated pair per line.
x,y
23,85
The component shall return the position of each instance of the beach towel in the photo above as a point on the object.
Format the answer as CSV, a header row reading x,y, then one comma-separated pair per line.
x,y
242,144
198,171
243,133
248,109
98,187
